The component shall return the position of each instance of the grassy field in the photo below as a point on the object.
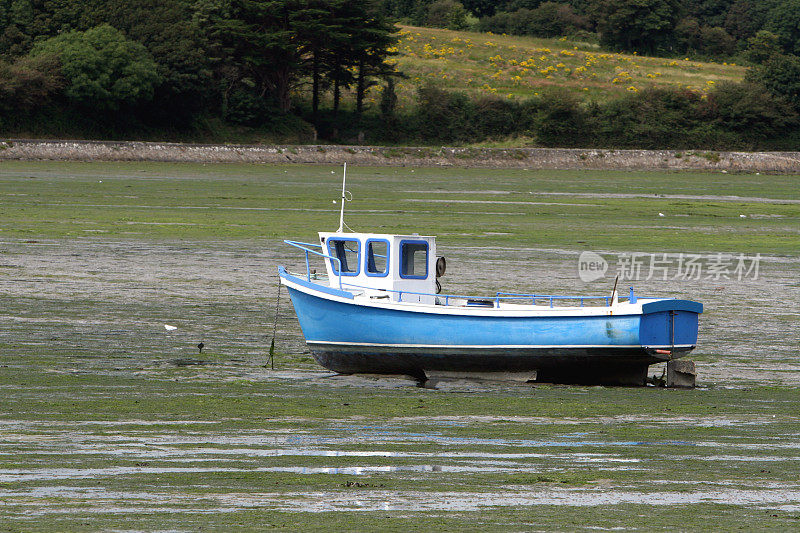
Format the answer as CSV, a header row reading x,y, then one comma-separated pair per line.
x,y
109,421
518,67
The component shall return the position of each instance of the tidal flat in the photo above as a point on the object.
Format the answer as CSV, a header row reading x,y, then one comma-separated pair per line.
x,y
109,421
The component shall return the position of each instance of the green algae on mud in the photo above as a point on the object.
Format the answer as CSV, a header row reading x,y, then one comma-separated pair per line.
x,y
182,453
515,207
104,425
88,446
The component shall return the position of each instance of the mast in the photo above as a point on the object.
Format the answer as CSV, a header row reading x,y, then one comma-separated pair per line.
x,y
341,213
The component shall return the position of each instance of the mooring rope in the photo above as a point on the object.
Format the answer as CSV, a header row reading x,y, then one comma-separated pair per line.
x,y
275,328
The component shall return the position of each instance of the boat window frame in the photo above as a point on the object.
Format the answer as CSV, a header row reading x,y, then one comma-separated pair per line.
x,y
332,253
403,242
366,258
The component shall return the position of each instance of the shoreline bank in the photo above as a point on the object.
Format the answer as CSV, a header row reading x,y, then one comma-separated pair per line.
x,y
517,158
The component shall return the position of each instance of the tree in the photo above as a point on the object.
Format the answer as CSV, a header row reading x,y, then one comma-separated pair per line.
x,y
561,121
653,118
102,68
763,46
748,110
746,17
710,12
370,42
448,14
641,26
687,35
781,76
552,19
24,21
401,9
318,27
168,29
446,116
482,8
277,43
165,27
716,41
388,107
784,21
257,39
28,83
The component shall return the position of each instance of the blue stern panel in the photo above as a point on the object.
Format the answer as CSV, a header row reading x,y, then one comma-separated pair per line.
x,y
670,322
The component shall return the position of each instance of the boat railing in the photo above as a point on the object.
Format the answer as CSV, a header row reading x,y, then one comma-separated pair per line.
x,y
550,298
305,247
471,300
499,297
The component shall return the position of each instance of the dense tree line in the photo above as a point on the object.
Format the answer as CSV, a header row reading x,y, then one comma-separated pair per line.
x,y
167,68
115,65
732,116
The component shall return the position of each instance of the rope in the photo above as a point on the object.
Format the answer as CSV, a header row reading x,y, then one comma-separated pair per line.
x,y
275,328
347,196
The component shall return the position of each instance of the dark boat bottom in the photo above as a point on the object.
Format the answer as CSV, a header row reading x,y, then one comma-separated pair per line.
x,y
579,366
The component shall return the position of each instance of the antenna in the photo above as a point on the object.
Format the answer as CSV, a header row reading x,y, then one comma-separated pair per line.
x,y
344,199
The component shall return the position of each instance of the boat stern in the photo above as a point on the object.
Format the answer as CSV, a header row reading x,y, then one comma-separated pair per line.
x,y
668,328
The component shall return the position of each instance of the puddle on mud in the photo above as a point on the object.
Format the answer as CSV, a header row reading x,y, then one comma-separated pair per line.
x,y
712,197
661,419
378,499
494,202
384,500
434,191
147,448
187,361
658,196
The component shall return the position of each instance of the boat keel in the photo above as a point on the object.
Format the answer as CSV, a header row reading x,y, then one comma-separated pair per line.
x,y
584,366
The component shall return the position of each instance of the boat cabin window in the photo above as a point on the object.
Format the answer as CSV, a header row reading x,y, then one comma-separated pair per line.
x,y
414,259
348,251
377,252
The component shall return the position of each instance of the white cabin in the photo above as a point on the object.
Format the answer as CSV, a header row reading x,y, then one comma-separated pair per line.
x,y
384,266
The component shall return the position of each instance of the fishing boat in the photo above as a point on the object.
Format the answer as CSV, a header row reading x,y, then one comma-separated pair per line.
x,y
379,309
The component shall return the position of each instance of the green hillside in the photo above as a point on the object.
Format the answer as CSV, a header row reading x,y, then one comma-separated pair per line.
x,y
511,66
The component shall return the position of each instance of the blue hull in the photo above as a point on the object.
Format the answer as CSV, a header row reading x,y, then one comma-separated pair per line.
x,y
349,337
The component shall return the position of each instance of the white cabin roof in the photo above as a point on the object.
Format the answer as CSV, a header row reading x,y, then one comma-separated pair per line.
x,y
387,236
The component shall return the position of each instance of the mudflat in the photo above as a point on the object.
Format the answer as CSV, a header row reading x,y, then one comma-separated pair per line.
x,y
109,420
